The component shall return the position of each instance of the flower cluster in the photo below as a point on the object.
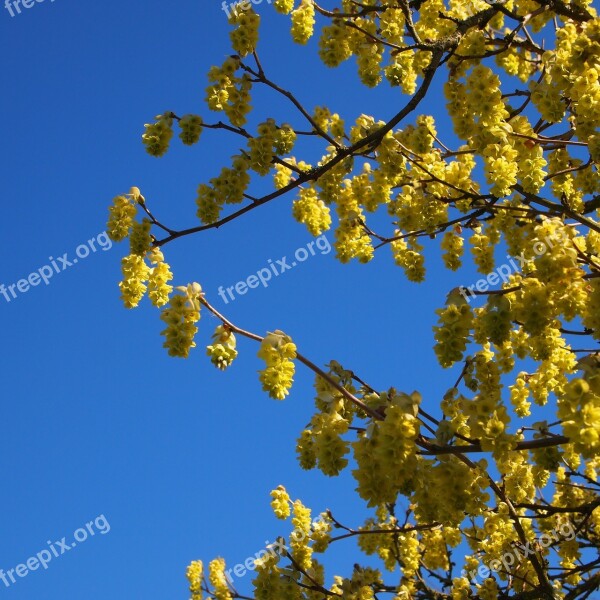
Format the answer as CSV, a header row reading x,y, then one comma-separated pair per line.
x,y
579,407
228,92
260,148
227,188
122,212
310,210
191,128
159,289
280,503
157,136
245,35
218,581
194,574
222,351
181,316
453,331
144,269
386,452
278,352
303,21
135,275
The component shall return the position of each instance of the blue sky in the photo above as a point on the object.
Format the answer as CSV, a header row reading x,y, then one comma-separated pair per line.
x,y
96,418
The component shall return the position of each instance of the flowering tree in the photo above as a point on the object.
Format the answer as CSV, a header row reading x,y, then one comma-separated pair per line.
x,y
482,476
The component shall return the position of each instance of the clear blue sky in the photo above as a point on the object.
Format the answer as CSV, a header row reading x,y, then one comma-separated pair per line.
x,y
96,418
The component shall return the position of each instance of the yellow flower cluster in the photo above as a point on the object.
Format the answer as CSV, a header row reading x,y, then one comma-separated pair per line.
x,y
227,188
461,588
321,533
548,100
572,73
300,537
194,574
517,62
244,37
278,352
351,238
208,203
284,7
138,275
305,449
430,25
591,317
283,173
222,351
530,161
519,395
158,135
385,543
121,215
484,96
488,590
191,128
303,22
360,586
321,444
434,545
563,183
501,168
261,147
370,56
329,184
447,489
284,139
306,538
328,122
218,581
280,503
409,553
229,93
135,275
328,446
386,453
158,280
494,322
310,210
407,254
181,316
269,582
453,247
401,72
458,109
487,418
140,239
334,47
453,332
579,409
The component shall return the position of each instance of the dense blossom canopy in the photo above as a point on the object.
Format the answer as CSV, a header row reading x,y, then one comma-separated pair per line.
x,y
483,477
